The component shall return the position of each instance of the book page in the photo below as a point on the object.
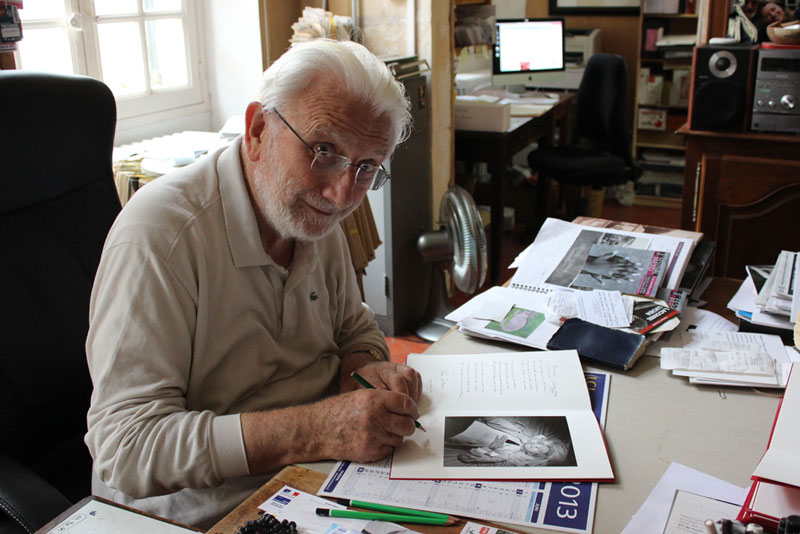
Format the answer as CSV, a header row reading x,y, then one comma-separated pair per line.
x,y
98,517
690,511
503,416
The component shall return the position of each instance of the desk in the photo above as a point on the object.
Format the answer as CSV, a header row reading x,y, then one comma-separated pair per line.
x,y
653,419
496,148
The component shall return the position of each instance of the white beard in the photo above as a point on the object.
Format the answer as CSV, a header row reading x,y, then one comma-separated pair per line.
x,y
283,210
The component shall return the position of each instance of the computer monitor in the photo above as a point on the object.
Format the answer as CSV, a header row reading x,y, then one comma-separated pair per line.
x,y
524,47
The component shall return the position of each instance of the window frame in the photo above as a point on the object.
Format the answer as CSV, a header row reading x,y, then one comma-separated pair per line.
x,y
81,24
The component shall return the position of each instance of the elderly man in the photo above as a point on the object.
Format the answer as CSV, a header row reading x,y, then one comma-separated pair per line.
x,y
225,318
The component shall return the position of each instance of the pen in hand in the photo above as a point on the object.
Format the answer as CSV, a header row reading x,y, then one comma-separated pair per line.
x,y
360,379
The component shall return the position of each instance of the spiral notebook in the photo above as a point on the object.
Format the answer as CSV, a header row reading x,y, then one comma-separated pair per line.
x,y
528,287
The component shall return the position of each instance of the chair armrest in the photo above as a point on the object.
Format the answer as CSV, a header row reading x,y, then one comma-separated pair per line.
x,y
26,498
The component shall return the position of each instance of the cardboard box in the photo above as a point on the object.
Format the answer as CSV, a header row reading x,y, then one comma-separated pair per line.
x,y
482,116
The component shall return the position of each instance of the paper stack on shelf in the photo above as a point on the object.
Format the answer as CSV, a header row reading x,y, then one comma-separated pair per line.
x,y
775,492
767,301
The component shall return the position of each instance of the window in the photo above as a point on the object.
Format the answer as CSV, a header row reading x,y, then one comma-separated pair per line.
x,y
146,51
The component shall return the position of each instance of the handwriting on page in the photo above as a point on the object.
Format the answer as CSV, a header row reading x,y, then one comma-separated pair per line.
x,y
506,377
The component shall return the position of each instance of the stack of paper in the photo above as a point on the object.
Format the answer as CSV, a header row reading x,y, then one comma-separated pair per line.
x,y
777,296
729,358
767,301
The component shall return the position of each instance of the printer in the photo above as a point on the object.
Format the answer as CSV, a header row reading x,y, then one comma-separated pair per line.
x,y
579,45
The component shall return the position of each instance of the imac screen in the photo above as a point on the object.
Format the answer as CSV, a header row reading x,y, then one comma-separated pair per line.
x,y
528,45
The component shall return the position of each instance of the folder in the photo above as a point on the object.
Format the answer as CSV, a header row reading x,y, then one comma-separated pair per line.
x,y
775,492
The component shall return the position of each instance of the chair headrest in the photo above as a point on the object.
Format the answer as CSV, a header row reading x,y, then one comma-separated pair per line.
x,y
602,102
57,135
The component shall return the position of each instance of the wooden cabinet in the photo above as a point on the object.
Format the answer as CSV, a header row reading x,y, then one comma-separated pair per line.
x,y
743,192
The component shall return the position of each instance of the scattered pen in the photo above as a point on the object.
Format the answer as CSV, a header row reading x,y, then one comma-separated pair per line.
x,y
358,378
377,516
393,509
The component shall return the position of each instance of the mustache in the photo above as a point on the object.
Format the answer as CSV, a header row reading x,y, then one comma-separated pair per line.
x,y
324,205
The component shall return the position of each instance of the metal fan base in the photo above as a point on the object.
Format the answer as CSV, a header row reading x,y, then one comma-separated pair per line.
x,y
434,329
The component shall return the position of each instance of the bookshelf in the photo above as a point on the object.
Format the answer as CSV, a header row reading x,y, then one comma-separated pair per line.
x,y
667,34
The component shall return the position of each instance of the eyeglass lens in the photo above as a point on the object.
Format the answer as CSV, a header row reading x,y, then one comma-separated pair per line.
x,y
366,174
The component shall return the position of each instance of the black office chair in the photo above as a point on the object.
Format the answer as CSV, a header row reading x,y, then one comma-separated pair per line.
x,y
601,155
57,203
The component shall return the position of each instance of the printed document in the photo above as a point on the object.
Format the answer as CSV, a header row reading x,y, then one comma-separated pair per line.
x,y
503,416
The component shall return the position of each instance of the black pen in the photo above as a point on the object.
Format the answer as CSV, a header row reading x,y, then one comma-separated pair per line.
x,y
360,379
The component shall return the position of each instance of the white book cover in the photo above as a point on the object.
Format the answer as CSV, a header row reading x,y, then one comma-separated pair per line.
x,y
503,416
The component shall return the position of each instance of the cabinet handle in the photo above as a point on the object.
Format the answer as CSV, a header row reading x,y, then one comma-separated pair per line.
x,y
697,174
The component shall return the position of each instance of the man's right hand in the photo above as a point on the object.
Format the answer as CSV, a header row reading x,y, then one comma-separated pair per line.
x,y
362,425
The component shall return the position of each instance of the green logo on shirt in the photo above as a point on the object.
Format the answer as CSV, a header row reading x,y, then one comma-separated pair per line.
x,y
313,296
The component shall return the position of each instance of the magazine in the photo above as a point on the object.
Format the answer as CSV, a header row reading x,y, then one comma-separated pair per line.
x,y
560,250
627,270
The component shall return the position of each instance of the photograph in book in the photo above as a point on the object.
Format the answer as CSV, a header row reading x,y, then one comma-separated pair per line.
x,y
627,270
503,416
574,260
518,322
507,441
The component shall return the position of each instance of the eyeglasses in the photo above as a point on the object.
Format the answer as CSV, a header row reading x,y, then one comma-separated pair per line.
x,y
330,164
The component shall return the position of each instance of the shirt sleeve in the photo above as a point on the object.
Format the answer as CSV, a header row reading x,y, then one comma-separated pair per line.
x,y
142,437
356,328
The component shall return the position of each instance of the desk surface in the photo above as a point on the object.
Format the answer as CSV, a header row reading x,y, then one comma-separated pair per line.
x,y
653,419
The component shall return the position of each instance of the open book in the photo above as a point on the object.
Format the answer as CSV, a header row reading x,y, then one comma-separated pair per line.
x,y
505,416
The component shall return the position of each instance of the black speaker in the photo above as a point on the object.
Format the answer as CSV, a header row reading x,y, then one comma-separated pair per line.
x,y
722,88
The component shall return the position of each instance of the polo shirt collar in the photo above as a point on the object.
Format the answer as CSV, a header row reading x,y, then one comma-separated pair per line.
x,y
240,219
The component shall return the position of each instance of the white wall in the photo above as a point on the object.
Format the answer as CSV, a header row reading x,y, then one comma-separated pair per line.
x,y
232,39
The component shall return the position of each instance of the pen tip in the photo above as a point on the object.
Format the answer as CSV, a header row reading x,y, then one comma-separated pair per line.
x,y
421,427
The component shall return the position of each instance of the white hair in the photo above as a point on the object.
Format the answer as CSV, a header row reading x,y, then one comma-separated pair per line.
x,y
350,66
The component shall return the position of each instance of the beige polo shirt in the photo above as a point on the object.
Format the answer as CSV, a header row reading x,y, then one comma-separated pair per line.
x,y
192,323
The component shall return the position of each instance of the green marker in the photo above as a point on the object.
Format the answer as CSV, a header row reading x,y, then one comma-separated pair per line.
x,y
377,516
391,509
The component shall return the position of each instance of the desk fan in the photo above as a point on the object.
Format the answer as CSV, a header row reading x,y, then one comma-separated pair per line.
x,y
459,245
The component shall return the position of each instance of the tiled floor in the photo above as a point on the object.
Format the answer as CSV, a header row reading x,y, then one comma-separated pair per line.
x,y
402,345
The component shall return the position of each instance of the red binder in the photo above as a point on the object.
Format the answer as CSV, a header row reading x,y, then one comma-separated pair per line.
x,y
775,492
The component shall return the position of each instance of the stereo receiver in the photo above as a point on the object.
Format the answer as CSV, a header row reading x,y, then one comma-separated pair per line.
x,y
777,89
